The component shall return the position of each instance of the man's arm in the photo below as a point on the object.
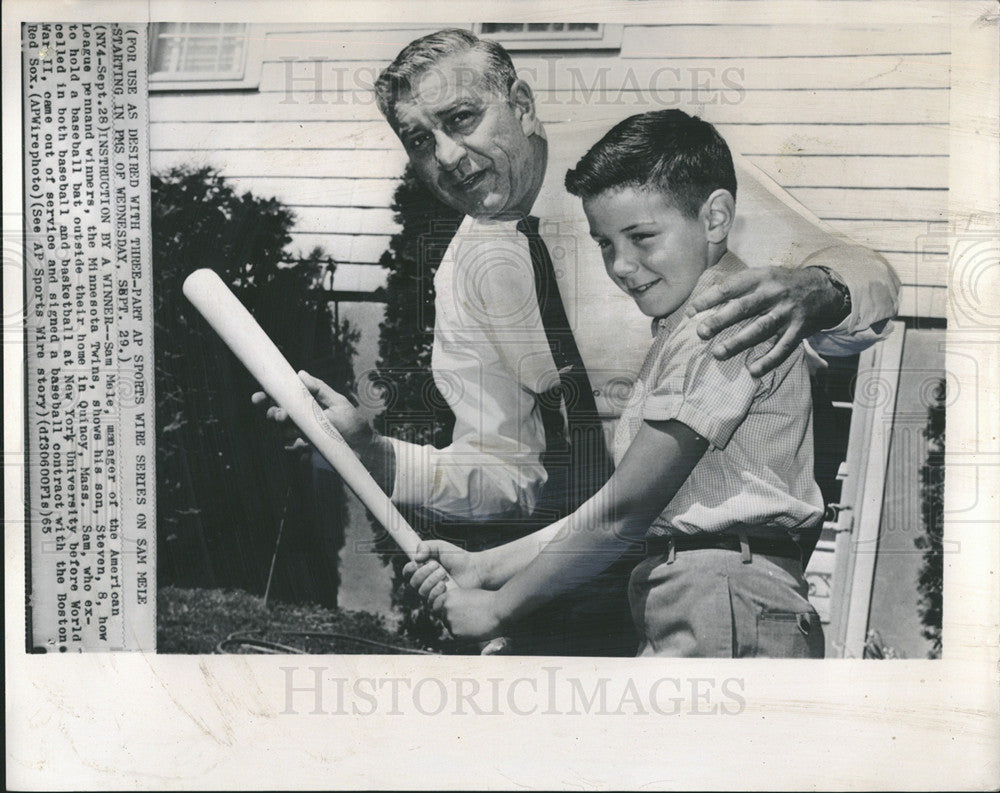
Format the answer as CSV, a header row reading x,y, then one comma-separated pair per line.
x,y
492,468
804,292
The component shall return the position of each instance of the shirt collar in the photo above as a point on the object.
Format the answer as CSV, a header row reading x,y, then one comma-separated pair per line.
x,y
729,264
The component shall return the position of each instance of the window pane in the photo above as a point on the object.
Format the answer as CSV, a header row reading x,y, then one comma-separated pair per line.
x,y
199,48
167,55
502,27
201,56
230,54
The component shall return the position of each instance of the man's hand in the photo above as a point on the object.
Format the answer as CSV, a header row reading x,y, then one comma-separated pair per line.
x,y
369,446
336,407
434,560
789,305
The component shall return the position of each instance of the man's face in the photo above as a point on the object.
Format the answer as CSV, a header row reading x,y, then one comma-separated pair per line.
x,y
466,143
651,250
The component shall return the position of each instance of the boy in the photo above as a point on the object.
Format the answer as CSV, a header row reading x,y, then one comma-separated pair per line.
x,y
713,467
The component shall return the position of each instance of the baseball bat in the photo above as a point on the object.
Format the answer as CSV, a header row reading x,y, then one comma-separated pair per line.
x,y
246,338
248,341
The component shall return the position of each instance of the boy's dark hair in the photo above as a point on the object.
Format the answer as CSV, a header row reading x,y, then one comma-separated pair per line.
x,y
669,151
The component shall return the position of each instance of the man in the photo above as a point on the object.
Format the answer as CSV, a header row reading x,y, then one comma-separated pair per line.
x,y
523,309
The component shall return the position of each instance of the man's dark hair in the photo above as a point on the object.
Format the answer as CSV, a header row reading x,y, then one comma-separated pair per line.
x,y
418,56
669,151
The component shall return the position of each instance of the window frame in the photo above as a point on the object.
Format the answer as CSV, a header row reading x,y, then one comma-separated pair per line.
x,y
248,77
858,525
606,37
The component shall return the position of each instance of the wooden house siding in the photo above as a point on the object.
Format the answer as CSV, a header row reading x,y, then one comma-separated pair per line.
x,y
852,120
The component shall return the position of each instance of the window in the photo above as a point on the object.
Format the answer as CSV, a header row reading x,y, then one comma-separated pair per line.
x,y
552,35
203,55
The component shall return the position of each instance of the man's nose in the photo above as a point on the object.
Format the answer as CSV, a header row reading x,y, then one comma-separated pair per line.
x,y
447,151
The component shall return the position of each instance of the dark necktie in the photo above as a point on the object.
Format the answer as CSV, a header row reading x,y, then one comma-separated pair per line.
x,y
576,458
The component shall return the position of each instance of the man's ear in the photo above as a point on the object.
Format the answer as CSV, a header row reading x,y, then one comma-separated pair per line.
x,y
719,211
522,99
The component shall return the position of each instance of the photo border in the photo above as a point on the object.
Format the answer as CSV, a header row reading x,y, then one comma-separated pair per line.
x,y
159,721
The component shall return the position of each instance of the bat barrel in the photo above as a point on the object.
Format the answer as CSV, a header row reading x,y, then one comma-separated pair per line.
x,y
255,350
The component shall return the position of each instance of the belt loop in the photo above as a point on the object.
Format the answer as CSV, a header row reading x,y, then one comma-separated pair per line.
x,y
671,549
796,538
745,556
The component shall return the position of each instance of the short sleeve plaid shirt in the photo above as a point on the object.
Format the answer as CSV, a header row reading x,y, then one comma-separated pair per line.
x,y
758,469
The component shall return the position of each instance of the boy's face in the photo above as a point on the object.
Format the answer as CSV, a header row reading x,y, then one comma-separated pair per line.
x,y
651,249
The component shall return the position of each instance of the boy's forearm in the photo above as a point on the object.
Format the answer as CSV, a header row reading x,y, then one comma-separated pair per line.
x,y
579,551
582,545
498,565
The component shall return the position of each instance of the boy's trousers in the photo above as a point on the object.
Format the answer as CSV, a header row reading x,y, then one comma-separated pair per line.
x,y
711,603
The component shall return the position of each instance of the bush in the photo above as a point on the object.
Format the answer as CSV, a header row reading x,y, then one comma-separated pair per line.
x,y
930,583
224,484
414,408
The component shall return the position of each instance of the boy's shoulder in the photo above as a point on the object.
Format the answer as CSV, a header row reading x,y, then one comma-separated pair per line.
x,y
682,334
726,267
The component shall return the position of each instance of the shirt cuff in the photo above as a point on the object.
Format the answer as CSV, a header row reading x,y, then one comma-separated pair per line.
x,y
872,285
850,279
715,430
414,472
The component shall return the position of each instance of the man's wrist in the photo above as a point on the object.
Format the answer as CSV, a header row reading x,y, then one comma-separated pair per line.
x,y
502,609
839,306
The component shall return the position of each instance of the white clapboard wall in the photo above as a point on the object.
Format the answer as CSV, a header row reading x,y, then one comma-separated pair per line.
x,y
851,119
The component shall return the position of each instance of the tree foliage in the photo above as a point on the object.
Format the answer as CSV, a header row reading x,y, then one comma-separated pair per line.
x,y
931,579
414,408
224,484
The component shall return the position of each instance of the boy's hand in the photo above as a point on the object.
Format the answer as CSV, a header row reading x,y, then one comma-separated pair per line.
x,y
789,305
470,613
434,560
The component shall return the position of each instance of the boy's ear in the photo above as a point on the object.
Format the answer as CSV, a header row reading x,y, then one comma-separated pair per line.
x,y
523,101
719,211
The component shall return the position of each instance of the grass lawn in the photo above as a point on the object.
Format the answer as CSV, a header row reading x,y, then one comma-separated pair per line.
x,y
199,621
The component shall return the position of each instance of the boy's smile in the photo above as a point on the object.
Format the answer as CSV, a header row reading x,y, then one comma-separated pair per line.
x,y
651,249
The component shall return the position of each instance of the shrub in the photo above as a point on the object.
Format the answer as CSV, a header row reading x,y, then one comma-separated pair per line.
x,y
224,484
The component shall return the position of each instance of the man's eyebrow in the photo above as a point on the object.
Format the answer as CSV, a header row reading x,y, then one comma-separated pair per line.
x,y
408,129
458,103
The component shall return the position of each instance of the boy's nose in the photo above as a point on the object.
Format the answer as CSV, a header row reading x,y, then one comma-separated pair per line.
x,y
624,265
447,152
